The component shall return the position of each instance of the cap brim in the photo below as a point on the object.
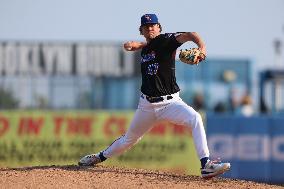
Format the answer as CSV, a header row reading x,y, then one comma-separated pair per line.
x,y
150,23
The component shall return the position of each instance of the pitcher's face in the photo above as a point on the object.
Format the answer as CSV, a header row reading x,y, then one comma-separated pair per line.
x,y
150,31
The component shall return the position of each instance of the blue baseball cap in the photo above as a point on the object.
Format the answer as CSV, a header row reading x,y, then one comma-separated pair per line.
x,y
149,19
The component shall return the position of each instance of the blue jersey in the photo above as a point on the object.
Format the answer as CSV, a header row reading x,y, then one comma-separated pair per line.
x,y
158,66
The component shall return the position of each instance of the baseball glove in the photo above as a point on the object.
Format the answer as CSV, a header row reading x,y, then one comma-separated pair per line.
x,y
192,56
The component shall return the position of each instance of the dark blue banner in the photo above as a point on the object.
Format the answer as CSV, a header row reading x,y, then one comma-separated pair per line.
x,y
254,146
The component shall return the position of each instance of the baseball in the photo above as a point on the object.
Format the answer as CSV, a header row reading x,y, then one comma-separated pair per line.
x,y
128,46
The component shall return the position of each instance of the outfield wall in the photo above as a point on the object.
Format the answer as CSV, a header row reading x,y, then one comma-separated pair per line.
x,y
31,138
254,146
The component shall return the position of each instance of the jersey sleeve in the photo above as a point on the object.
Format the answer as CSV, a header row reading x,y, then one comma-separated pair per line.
x,y
170,43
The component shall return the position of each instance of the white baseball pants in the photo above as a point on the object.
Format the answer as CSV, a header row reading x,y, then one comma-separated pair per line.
x,y
174,110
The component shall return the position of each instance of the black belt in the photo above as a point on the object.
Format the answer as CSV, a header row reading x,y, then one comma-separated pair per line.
x,y
152,99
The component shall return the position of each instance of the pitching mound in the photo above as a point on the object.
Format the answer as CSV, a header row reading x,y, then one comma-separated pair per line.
x,y
73,176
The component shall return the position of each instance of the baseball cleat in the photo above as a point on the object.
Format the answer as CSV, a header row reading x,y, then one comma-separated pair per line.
x,y
214,168
90,160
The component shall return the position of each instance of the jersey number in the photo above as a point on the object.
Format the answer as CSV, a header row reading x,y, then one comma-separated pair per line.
x,y
152,69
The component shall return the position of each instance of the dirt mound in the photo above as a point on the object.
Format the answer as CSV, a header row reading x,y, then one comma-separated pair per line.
x,y
73,176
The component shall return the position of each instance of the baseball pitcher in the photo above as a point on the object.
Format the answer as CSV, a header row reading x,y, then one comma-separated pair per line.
x,y
159,98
